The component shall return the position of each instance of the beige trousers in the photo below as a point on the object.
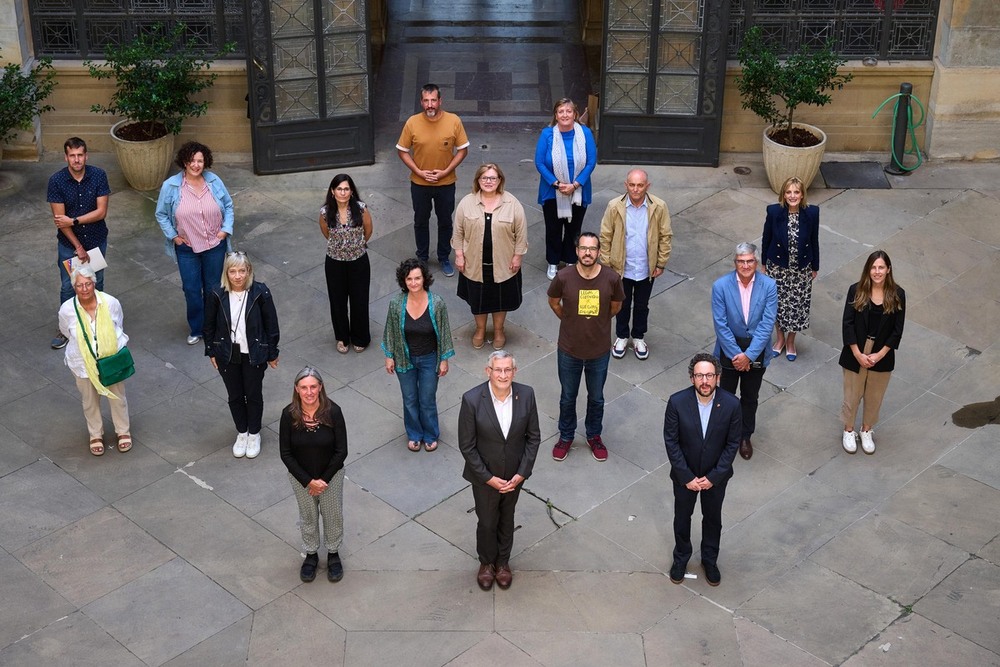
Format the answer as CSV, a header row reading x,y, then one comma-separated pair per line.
x,y
92,407
865,384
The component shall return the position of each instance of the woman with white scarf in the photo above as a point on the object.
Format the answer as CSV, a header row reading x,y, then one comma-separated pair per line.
x,y
564,187
102,315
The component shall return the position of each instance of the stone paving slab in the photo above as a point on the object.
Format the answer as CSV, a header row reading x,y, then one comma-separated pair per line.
x,y
811,534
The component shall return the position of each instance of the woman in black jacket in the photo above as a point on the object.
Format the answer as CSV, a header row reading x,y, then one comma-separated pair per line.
x,y
790,255
873,325
241,341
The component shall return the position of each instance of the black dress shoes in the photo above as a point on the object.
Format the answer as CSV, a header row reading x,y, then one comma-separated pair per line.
x,y
677,571
334,568
308,571
746,448
486,576
712,574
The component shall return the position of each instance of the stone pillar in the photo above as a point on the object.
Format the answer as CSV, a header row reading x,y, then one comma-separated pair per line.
x,y
964,105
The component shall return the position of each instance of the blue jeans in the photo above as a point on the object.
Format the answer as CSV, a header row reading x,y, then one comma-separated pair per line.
x,y
66,290
419,388
442,199
595,371
200,272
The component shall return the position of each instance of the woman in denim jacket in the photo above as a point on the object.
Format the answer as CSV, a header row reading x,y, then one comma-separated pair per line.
x,y
195,212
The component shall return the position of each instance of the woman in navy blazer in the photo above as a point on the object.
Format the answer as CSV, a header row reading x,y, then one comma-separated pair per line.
x,y
790,252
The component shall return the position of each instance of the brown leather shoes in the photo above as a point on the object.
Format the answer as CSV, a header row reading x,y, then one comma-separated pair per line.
x,y
746,448
486,576
504,576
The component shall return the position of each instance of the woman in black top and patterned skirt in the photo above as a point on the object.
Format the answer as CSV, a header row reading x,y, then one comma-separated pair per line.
x,y
490,239
313,445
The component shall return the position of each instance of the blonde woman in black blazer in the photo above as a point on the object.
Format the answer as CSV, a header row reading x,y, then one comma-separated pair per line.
x,y
790,253
873,326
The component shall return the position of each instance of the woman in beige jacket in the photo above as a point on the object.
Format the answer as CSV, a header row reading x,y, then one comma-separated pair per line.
x,y
490,239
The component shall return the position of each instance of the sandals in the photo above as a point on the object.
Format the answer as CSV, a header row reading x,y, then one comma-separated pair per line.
x,y
499,340
341,347
430,446
97,446
359,349
413,446
478,341
124,442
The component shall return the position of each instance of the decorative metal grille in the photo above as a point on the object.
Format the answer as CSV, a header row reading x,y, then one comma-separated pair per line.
x,y
886,29
72,29
654,50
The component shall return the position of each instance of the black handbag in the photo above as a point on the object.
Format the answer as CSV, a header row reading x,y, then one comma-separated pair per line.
x,y
110,370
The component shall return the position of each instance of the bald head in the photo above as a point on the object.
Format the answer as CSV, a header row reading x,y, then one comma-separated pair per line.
x,y
636,184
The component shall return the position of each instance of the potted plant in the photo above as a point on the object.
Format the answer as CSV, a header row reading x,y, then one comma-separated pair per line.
x,y
790,148
22,91
156,77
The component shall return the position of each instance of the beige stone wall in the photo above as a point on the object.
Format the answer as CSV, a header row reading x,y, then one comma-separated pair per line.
x,y
847,120
225,128
964,113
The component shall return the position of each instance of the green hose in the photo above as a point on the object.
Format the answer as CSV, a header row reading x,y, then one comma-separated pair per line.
x,y
914,148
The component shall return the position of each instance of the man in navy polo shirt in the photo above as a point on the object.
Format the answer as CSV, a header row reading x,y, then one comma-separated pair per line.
x,y
78,195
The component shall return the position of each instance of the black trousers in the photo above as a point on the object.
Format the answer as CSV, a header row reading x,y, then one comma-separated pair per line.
x,y
347,285
440,199
749,383
637,304
244,383
560,235
711,521
495,530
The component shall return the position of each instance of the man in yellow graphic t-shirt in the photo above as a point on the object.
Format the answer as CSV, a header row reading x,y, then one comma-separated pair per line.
x,y
584,296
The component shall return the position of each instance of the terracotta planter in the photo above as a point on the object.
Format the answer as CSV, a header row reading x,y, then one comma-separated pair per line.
x,y
783,162
144,163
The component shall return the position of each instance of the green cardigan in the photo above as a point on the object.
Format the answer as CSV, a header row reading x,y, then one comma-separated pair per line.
x,y
394,340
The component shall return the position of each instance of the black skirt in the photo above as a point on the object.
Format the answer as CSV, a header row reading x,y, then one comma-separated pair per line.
x,y
489,296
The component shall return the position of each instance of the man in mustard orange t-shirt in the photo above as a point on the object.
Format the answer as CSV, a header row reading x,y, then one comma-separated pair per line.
x,y
433,143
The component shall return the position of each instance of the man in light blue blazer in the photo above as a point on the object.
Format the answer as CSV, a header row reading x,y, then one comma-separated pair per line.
x,y
744,307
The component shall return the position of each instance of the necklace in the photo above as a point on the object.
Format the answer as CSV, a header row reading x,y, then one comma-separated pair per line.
x,y
234,323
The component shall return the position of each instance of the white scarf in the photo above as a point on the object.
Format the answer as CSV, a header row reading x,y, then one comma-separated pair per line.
x,y
560,167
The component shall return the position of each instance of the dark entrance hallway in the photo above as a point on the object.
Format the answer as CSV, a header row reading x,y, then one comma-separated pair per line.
x,y
500,64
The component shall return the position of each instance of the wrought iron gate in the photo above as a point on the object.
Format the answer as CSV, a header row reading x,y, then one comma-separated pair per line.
x,y
664,68
309,70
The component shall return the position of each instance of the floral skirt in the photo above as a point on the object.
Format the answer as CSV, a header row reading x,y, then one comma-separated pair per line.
x,y
794,296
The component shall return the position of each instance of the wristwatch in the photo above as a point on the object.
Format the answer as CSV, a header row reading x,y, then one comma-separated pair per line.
x,y
76,222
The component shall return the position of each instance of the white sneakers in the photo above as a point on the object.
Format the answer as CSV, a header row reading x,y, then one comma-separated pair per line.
x,y
618,351
551,273
867,442
641,351
240,446
253,445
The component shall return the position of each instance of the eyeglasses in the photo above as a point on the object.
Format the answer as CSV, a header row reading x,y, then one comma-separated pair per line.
x,y
502,371
746,262
236,253
84,286
347,189
489,179
703,376
587,248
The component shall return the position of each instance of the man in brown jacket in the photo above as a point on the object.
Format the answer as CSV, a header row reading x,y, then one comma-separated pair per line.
x,y
635,242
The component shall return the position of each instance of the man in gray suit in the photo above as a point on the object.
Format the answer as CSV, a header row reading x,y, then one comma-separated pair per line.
x,y
499,437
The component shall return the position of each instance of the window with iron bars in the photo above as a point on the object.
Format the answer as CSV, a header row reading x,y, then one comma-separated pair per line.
x,y
883,29
75,29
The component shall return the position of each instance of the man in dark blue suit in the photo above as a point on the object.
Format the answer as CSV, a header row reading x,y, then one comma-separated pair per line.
x,y
499,437
744,308
701,430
